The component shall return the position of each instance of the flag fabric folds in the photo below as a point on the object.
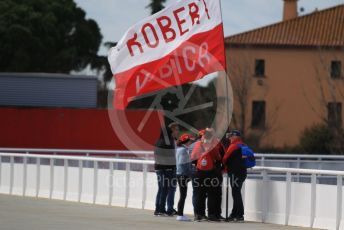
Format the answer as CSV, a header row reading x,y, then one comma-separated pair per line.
x,y
180,44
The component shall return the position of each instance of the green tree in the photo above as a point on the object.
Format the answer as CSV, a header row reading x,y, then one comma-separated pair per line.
x,y
156,5
101,63
46,36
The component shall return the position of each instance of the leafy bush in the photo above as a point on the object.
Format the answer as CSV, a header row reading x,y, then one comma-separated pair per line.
x,y
317,139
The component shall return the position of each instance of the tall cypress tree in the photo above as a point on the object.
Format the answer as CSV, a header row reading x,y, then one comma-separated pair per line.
x,y
156,5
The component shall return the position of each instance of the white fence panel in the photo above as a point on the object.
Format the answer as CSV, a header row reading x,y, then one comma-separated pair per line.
x,y
279,202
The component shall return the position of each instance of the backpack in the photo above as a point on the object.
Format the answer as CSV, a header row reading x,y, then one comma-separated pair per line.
x,y
247,152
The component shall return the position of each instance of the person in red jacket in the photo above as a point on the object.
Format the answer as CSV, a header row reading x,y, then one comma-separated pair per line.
x,y
237,172
206,154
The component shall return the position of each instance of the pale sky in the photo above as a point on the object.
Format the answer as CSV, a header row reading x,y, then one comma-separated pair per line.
x,y
114,17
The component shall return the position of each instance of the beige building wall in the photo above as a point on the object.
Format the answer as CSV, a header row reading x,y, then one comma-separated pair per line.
x,y
291,88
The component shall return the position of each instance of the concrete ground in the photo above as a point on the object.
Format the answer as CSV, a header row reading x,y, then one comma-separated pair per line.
x,y
18,213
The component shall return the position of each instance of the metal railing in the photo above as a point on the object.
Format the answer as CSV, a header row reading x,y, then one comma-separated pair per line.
x,y
265,171
263,157
327,162
86,152
80,160
314,174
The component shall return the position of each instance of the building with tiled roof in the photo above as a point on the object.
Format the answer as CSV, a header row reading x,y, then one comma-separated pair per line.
x,y
288,76
320,28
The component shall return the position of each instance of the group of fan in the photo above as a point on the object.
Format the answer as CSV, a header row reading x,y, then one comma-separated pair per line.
x,y
201,160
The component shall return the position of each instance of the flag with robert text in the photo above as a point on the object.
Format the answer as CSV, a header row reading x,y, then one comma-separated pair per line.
x,y
182,43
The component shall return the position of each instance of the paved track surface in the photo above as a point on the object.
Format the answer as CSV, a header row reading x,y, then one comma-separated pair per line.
x,y
18,213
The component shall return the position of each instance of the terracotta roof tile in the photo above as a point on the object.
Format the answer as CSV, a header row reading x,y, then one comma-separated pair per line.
x,y
320,28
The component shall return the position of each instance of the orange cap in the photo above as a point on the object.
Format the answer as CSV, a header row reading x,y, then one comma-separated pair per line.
x,y
184,137
201,133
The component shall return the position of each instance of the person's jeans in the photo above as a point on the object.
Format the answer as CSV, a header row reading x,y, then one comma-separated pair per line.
x,y
183,189
205,187
194,193
171,191
219,195
236,185
158,195
166,190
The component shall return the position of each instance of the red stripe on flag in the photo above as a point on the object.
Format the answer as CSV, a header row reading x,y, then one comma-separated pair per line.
x,y
202,54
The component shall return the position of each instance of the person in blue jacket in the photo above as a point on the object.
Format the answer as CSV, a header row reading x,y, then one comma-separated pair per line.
x,y
184,171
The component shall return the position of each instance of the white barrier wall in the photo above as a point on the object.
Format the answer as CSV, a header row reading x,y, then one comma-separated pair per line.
x,y
96,188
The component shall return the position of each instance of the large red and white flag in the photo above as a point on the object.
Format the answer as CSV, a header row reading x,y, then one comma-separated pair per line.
x,y
180,44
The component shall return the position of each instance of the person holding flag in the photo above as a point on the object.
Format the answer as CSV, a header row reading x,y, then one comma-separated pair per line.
x,y
237,173
198,139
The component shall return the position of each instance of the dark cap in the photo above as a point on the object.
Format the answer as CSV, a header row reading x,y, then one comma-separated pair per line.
x,y
235,133
173,124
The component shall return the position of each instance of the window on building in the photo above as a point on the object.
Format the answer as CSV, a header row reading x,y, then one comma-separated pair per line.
x,y
334,110
258,114
259,68
336,69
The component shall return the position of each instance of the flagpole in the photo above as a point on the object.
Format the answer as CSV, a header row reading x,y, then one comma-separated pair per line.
x,y
227,104
223,37
226,71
